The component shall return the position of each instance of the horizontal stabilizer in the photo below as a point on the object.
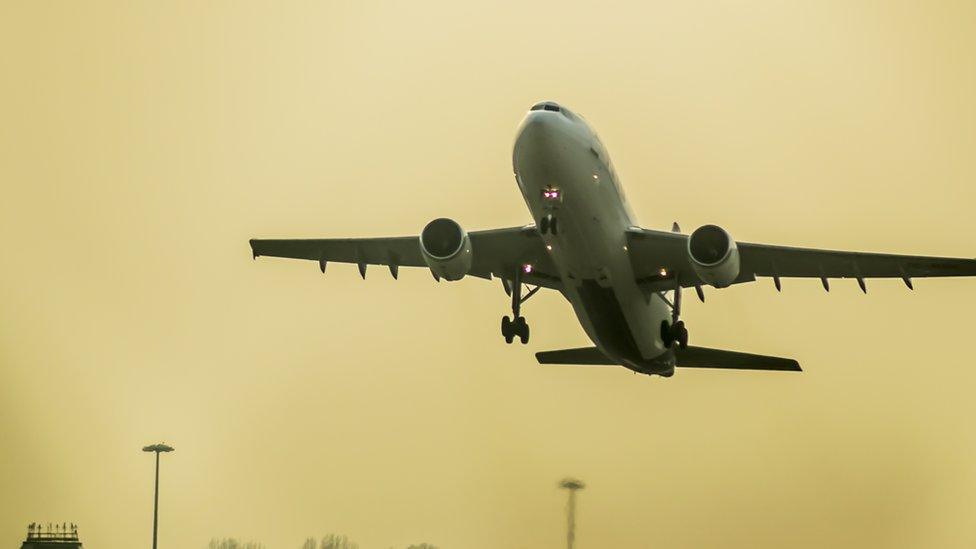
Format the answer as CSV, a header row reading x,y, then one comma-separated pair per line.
x,y
583,356
690,357
703,357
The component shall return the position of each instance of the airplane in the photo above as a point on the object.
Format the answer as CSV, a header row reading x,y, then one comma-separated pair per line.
x,y
624,282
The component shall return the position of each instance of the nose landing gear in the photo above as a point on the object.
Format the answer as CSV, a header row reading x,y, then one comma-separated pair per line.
x,y
549,224
551,198
516,325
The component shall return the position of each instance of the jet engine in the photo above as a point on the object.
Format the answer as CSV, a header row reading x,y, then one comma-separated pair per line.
x,y
446,249
714,255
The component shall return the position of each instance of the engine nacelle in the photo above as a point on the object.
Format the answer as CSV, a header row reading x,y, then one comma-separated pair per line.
x,y
714,255
446,249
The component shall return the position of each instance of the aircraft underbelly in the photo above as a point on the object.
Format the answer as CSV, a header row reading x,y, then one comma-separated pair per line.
x,y
615,313
589,248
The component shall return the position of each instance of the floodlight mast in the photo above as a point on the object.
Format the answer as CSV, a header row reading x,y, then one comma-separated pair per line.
x,y
157,449
572,485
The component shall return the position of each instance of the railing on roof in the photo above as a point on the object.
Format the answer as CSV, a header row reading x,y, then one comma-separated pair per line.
x,y
55,532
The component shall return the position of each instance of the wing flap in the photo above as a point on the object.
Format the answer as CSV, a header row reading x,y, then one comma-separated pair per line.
x,y
653,252
403,250
785,261
497,252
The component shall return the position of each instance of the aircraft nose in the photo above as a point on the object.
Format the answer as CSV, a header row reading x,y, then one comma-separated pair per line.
x,y
540,138
543,121
537,131
548,132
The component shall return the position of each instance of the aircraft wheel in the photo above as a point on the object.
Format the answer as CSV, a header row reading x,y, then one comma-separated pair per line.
x,y
667,336
508,329
682,334
522,327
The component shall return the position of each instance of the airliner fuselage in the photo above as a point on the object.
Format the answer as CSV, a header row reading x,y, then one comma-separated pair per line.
x,y
565,175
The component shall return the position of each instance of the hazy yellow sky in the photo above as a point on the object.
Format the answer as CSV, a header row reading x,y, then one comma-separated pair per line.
x,y
142,144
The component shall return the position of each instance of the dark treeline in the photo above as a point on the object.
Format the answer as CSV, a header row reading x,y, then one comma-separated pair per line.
x,y
330,541
231,543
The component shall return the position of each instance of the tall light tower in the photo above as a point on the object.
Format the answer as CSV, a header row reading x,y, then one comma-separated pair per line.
x,y
572,485
157,449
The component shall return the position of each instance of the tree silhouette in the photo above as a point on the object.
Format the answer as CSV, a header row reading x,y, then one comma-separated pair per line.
x,y
335,541
231,543
329,541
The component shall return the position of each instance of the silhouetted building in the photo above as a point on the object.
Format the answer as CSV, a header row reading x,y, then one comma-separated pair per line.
x,y
57,536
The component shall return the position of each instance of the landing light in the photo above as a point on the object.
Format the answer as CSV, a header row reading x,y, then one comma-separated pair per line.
x,y
663,272
549,247
527,268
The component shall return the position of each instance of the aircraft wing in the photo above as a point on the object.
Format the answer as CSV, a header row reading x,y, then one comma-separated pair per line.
x,y
651,251
497,252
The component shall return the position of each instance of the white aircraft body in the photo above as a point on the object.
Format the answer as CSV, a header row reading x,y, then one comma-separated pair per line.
x,y
624,282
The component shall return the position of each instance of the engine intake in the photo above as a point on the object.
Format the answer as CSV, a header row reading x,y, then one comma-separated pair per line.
x,y
446,249
714,255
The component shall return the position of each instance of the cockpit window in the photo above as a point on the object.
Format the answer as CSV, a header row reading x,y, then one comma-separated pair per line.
x,y
545,107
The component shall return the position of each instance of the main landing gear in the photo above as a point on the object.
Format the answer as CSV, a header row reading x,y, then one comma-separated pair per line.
x,y
675,331
519,327
516,325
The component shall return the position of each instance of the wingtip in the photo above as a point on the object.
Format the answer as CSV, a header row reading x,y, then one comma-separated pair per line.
x,y
791,365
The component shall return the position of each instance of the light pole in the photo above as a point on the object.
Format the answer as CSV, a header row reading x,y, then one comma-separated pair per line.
x,y
156,448
572,485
